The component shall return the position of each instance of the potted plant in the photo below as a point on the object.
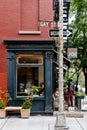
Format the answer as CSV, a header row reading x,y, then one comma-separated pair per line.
x,y
27,102
78,96
4,98
2,109
26,106
2,103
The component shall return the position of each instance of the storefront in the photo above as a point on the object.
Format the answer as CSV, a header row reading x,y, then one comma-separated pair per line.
x,y
31,61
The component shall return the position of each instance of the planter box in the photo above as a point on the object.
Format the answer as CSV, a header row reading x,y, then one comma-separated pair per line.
x,y
25,113
2,113
78,101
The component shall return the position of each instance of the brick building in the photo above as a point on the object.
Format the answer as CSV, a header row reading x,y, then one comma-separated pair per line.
x,y
26,51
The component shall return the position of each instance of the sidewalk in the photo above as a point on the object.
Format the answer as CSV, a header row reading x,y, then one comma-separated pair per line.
x,y
41,123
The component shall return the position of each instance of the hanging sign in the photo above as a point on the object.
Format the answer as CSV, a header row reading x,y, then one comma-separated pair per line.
x,y
72,53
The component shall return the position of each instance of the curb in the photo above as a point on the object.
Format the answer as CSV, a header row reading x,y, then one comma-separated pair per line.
x,y
76,114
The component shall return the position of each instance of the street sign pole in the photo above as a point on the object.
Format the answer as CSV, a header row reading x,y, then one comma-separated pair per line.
x,y
60,119
60,55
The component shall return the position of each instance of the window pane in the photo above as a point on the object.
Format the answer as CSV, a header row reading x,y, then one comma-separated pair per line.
x,y
30,59
29,75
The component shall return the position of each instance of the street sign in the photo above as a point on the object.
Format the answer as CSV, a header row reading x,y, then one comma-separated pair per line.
x,y
44,23
55,33
67,33
65,19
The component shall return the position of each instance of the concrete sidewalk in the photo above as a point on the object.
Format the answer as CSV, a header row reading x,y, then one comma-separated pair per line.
x,y
41,123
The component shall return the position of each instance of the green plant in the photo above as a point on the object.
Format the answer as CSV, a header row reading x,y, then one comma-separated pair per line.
x,y
2,104
34,89
27,102
4,98
80,93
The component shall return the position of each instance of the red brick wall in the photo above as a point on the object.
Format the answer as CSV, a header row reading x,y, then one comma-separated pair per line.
x,y
3,67
16,15
29,15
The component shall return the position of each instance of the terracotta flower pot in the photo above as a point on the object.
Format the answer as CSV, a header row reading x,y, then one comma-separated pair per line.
x,y
2,113
25,113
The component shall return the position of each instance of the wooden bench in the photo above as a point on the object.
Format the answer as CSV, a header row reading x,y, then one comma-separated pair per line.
x,y
13,108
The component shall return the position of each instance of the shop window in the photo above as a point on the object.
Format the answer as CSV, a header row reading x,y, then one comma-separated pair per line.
x,y
30,72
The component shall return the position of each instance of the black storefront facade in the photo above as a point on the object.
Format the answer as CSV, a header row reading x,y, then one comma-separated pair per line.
x,y
31,60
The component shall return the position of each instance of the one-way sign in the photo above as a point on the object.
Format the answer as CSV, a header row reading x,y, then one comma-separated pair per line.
x,y
67,33
55,33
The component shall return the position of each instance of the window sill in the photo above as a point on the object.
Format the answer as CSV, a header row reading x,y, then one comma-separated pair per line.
x,y
22,32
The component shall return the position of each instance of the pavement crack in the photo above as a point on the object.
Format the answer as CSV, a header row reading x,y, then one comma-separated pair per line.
x,y
1,128
80,124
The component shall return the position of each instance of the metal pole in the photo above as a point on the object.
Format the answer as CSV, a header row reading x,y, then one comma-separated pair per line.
x,y
60,118
60,55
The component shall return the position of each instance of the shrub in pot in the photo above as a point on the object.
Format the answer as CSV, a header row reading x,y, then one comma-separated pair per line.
x,y
4,98
3,101
27,102
2,109
78,97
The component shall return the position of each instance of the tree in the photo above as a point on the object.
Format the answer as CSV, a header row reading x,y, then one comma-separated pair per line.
x,y
79,39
